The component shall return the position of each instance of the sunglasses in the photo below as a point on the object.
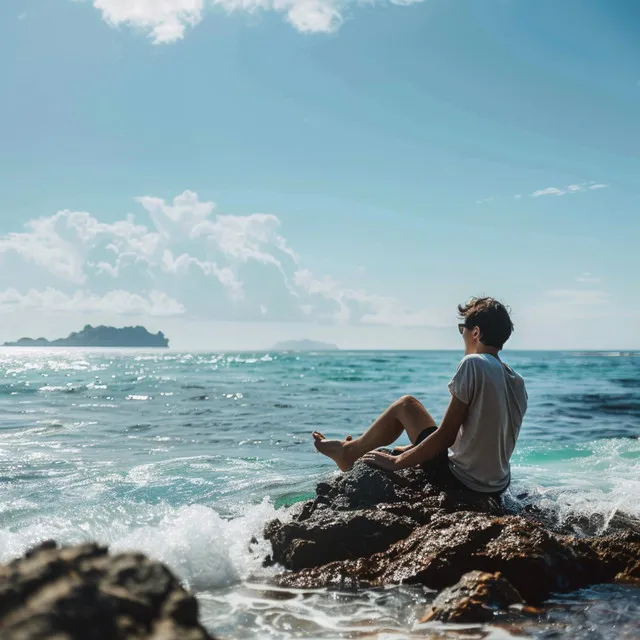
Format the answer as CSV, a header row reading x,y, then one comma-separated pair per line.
x,y
461,328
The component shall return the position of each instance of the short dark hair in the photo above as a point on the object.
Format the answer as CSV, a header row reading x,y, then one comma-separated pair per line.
x,y
491,317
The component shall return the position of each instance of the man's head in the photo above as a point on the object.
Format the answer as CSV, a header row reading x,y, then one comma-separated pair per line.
x,y
485,322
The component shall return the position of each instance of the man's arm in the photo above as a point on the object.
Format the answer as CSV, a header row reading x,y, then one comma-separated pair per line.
x,y
440,440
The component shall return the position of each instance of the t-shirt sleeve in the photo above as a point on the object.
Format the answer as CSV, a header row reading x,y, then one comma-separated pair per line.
x,y
463,383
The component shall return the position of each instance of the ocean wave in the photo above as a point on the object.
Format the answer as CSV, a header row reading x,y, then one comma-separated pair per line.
x,y
204,549
588,485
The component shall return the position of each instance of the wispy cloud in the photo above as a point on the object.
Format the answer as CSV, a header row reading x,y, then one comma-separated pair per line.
x,y
550,191
579,297
588,278
118,302
189,260
168,20
572,188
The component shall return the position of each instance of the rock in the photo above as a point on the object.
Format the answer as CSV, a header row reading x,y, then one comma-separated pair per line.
x,y
364,486
335,535
371,528
616,556
75,593
476,597
535,561
584,525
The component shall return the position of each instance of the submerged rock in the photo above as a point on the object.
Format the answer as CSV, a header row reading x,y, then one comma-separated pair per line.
x,y
75,593
476,597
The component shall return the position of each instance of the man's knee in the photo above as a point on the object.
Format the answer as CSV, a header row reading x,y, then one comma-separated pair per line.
x,y
408,402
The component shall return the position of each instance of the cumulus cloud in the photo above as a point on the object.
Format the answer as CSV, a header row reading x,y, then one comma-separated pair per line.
x,y
572,188
167,21
187,259
164,20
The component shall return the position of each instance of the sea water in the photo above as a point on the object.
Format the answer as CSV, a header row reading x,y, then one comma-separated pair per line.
x,y
185,456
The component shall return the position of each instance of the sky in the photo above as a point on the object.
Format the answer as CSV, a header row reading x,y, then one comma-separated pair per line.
x,y
238,172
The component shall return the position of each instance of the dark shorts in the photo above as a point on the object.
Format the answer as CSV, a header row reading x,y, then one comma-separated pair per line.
x,y
439,472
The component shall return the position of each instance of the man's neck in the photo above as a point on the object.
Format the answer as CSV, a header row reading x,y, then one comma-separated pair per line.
x,y
483,348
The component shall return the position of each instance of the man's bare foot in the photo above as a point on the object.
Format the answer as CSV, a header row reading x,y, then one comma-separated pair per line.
x,y
338,450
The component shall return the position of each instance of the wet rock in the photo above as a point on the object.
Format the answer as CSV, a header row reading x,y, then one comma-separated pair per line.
x,y
535,561
476,597
616,556
364,486
74,593
370,528
335,535
584,525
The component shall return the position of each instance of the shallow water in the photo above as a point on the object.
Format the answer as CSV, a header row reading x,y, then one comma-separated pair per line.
x,y
187,455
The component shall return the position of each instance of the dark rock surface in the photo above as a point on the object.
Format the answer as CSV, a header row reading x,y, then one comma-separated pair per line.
x,y
334,535
373,528
81,593
476,597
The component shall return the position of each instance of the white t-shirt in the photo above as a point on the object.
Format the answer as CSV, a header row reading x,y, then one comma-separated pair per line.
x,y
497,401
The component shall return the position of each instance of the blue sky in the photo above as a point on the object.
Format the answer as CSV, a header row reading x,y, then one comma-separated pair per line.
x,y
236,173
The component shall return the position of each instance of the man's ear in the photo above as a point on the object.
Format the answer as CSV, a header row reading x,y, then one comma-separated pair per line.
x,y
476,333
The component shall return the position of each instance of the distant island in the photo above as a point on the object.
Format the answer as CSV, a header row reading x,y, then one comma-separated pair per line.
x,y
304,345
99,337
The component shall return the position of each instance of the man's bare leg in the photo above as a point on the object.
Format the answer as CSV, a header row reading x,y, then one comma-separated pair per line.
x,y
406,414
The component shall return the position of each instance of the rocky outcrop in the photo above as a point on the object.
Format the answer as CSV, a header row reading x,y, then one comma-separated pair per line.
x,y
370,528
333,535
75,593
476,597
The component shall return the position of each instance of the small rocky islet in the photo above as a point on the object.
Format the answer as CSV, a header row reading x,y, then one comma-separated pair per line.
x,y
100,336
367,528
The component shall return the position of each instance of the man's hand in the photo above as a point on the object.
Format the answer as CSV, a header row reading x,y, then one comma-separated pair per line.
x,y
402,449
381,460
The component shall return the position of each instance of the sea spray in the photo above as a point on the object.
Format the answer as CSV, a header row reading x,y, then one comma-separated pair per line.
x,y
205,550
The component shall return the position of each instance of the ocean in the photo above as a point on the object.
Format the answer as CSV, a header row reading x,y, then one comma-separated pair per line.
x,y
185,456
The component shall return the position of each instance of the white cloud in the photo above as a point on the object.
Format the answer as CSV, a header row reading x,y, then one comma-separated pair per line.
x,y
313,16
164,20
167,20
572,188
118,302
588,278
362,307
579,297
549,191
194,261
41,245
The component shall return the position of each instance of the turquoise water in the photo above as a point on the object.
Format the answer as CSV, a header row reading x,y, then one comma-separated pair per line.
x,y
186,455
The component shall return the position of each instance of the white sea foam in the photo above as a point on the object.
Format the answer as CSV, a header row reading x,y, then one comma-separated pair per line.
x,y
594,480
205,550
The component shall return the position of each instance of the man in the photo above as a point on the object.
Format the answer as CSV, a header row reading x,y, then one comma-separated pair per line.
x,y
472,447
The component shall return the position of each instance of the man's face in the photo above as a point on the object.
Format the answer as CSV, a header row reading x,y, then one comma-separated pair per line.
x,y
471,338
